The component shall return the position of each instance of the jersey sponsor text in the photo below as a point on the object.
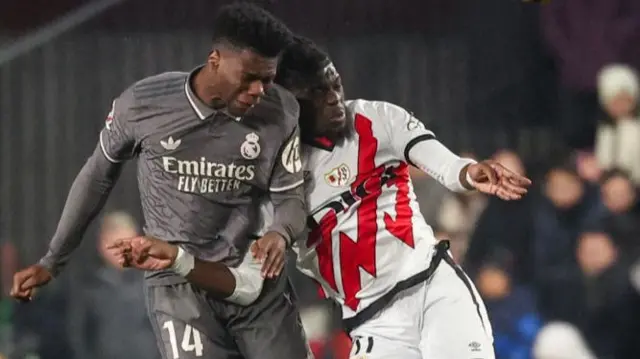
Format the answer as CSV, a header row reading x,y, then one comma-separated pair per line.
x,y
207,177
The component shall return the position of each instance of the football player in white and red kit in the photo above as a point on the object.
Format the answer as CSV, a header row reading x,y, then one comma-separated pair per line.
x,y
402,296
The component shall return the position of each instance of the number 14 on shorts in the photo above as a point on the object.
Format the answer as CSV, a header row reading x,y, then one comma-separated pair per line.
x,y
191,340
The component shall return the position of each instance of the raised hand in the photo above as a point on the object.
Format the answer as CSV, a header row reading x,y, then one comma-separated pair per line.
x,y
493,178
144,253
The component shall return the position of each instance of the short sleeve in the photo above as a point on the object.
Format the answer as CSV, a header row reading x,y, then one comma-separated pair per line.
x,y
287,172
117,138
404,130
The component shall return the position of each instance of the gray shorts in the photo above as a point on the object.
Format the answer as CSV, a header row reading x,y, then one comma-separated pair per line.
x,y
189,324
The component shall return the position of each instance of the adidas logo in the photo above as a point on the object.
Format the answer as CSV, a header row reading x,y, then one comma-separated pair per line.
x,y
170,144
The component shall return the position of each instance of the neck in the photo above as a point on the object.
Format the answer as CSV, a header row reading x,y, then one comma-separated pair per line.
x,y
206,92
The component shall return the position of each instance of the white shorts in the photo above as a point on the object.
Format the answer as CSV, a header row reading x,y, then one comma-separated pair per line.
x,y
442,318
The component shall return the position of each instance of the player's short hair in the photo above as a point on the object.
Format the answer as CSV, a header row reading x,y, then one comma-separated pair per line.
x,y
300,63
244,25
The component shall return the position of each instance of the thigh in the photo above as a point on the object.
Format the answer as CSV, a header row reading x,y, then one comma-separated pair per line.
x,y
400,321
270,328
455,319
376,347
185,326
395,331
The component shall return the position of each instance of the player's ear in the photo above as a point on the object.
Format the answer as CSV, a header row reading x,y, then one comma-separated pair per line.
x,y
214,59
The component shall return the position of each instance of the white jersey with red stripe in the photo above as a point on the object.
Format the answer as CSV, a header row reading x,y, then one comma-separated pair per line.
x,y
366,230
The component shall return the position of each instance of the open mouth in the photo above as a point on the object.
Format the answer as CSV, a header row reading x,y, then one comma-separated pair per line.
x,y
337,116
245,104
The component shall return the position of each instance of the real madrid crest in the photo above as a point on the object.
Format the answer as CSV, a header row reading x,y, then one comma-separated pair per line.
x,y
250,148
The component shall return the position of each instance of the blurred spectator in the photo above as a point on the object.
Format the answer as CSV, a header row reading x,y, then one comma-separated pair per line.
x,y
597,297
622,220
618,136
457,248
458,214
588,167
558,340
429,194
6,329
584,36
30,330
37,325
567,205
596,253
325,340
607,306
511,307
504,225
108,319
618,193
8,265
316,322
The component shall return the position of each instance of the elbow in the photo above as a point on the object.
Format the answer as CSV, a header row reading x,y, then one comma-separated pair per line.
x,y
298,225
104,172
296,229
290,218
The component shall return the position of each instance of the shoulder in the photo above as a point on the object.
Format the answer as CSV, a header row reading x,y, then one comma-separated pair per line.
x,y
158,87
280,108
150,93
377,111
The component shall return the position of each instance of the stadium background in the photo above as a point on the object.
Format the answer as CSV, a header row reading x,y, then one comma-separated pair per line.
x,y
491,76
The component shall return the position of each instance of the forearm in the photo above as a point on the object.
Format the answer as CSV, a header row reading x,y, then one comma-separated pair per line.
x,y
87,196
214,277
444,166
289,217
241,285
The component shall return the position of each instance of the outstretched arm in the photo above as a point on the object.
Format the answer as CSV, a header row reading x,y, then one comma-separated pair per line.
x,y
460,174
93,184
86,198
241,285
419,147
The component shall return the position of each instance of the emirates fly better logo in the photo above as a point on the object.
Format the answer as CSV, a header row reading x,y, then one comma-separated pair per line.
x,y
203,176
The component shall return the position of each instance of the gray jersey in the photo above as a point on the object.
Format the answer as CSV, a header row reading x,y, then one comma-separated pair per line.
x,y
201,172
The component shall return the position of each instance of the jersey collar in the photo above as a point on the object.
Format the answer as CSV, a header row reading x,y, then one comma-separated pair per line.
x,y
201,109
323,143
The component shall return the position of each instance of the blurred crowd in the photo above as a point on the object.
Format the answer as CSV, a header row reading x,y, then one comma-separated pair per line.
x,y
560,270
